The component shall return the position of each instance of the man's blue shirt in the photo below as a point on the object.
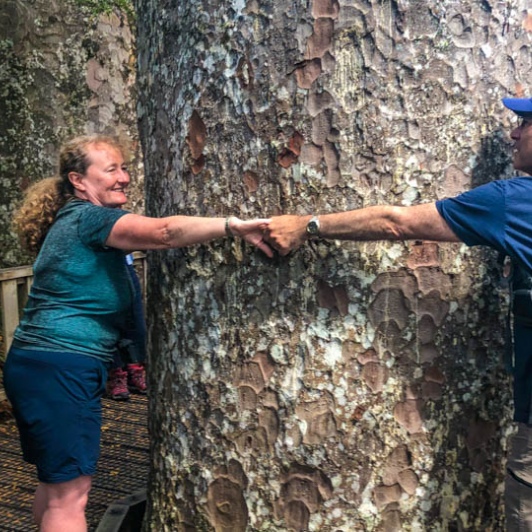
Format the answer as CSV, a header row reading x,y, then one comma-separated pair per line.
x,y
499,215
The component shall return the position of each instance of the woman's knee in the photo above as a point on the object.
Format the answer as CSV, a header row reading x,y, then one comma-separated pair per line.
x,y
72,494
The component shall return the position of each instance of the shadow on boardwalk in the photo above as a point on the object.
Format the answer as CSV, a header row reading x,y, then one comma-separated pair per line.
x,y
122,468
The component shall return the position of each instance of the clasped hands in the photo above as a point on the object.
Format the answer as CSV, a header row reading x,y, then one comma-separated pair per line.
x,y
280,233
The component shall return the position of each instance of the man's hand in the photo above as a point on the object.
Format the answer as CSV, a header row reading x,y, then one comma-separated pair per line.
x,y
286,233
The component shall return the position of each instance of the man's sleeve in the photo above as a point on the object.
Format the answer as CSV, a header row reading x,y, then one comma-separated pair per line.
x,y
477,216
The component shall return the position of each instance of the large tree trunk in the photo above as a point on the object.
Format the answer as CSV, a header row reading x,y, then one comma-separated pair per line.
x,y
348,386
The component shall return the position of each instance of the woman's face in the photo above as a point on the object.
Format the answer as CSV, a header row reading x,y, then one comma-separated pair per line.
x,y
106,179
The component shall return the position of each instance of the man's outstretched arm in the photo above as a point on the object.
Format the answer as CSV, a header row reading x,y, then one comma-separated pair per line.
x,y
386,222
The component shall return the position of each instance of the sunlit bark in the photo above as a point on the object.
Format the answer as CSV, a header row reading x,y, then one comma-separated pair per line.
x,y
347,386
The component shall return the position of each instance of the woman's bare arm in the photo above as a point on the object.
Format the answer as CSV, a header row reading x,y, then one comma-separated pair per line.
x,y
136,232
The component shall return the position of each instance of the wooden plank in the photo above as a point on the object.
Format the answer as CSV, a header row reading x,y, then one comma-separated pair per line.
x,y
10,311
16,273
22,301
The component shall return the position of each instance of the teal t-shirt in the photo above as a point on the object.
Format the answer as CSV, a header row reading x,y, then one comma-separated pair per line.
x,y
82,293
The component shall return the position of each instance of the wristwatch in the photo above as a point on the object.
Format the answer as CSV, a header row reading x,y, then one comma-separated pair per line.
x,y
313,227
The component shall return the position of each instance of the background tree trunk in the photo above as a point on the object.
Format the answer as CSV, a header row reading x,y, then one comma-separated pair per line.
x,y
349,386
65,70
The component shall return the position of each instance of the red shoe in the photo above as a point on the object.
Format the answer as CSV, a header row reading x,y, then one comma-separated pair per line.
x,y
136,378
117,385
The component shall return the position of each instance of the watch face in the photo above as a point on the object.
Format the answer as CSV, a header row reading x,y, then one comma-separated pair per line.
x,y
313,227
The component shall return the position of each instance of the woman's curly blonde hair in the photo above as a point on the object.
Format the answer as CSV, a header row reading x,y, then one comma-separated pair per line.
x,y
43,199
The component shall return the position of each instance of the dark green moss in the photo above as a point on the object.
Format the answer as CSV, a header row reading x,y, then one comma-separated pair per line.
x,y
98,7
21,138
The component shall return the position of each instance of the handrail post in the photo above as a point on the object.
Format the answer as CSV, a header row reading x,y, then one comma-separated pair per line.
x,y
10,311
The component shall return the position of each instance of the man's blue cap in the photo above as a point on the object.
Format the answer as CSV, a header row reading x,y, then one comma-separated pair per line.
x,y
520,106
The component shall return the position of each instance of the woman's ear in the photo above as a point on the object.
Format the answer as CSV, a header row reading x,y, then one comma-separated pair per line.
x,y
77,180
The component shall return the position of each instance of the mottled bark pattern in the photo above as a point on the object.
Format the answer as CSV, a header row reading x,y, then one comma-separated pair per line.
x,y
348,386
63,72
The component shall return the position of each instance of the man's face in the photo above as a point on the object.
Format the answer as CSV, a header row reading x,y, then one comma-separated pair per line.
x,y
522,147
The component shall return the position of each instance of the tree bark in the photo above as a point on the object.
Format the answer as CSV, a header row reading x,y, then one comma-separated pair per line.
x,y
349,386
64,71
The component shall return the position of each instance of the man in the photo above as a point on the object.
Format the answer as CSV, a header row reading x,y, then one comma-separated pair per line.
x,y
498,215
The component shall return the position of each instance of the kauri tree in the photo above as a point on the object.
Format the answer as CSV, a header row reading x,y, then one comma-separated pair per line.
x,y
347,386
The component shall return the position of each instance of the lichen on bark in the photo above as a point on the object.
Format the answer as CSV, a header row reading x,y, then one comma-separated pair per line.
x,y
350,386
63,74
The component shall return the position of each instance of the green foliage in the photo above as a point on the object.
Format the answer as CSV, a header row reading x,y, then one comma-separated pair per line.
x,y
98,7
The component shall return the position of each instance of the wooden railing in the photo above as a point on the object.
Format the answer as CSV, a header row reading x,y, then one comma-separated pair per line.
x,y
15,284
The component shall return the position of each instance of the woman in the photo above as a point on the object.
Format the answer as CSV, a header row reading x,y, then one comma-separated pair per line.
x,y
56,369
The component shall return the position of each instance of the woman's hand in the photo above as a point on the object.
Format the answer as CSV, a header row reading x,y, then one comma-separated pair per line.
x,y
251,231
286,233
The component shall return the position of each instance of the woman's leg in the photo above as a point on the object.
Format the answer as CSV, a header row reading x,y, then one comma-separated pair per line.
x,y
39,503
62,505
56,402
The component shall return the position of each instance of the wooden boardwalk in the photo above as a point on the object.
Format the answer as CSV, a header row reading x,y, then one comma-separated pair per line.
x,y
122,469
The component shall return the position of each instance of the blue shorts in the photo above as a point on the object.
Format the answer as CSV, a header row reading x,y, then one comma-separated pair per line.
x,y
56,399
